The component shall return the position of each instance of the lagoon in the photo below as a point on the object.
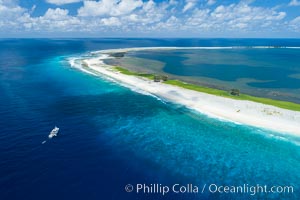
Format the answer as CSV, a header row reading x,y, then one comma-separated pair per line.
x,y
264,72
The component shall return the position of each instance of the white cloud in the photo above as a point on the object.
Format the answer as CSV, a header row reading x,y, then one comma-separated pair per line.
x,y
56,14
109,7
32,8
294,3
9,12
173,2
295,24
189,5
211,2
8,3
93,8
62,2
149,5
296,20
112,21
54,20
57,19
137,17
127,6
235,17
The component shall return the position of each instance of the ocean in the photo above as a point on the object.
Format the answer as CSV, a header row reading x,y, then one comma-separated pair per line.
x,y
111,136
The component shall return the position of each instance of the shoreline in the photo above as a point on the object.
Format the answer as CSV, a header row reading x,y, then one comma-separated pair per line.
x,y
240,111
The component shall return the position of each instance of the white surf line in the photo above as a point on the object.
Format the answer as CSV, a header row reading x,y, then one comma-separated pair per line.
x,y
72,62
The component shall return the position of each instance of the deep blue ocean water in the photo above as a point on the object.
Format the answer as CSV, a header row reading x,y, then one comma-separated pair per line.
x,y
111,136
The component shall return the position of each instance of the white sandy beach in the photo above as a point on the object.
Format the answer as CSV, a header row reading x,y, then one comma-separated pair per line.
x,y
240,111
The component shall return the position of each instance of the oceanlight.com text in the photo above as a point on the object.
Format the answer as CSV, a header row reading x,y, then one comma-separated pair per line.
x,y
249,189
207,188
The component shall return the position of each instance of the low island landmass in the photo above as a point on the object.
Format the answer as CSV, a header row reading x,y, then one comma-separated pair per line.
x,y
276,115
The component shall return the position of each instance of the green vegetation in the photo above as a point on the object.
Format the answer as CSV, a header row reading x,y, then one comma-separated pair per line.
x,y
199,88
277,103
127,72
228,94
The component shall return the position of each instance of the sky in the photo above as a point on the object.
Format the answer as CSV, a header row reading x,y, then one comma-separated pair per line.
x,y
150,18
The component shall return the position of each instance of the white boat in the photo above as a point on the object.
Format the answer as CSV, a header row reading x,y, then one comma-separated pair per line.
x,y
53,132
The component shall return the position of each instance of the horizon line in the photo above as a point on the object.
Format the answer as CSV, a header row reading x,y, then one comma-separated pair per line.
x,y
149,37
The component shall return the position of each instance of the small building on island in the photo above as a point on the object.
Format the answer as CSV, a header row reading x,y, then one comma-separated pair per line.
x,y
158,78
235,92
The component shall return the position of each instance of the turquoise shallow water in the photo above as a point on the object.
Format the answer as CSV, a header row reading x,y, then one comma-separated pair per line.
x,y
112,136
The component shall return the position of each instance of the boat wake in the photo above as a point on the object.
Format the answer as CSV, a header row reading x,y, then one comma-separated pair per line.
x,y
52,134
